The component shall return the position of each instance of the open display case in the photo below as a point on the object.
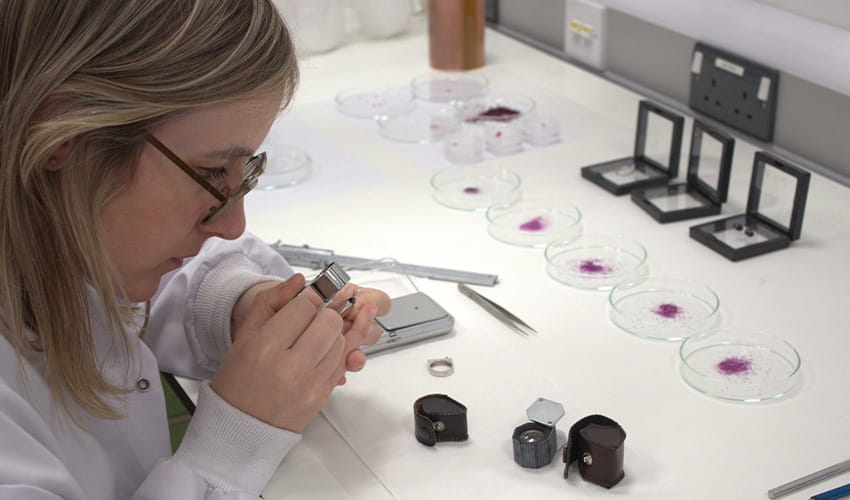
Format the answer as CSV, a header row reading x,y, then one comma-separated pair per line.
x,y
658,145
707,185
774,216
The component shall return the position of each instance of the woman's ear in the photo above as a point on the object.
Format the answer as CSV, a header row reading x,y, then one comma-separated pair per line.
x,y
52,104
57,160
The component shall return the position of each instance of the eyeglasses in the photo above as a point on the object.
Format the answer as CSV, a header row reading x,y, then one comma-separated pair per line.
x,y
250,173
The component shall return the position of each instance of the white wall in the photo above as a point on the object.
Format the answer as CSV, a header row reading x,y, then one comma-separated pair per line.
x,y
834,12
758,30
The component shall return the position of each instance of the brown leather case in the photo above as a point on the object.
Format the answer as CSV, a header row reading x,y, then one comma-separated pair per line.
x,y
597,443
437,417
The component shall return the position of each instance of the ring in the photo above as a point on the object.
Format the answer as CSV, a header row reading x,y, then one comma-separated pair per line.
x,y
441,367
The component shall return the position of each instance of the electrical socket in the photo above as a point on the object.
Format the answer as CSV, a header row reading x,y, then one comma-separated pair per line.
x,y
585,32
734,90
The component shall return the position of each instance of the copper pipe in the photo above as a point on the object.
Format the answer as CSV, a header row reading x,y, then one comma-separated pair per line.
x,y
456,34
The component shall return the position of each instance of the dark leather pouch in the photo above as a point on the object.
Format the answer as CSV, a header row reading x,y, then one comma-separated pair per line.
x,y
437,417
597,443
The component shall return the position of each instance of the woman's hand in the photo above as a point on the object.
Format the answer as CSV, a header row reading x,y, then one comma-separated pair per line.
x,y
359,328
286,358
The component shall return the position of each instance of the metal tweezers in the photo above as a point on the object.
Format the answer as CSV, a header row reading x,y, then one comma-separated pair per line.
x,y
496,310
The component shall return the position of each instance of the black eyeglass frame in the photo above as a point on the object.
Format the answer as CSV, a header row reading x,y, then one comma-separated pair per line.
x,y
251,172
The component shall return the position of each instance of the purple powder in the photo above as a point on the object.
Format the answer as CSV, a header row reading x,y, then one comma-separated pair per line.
x,y
497,114
594,266
734,366
471,190
536,224
667,310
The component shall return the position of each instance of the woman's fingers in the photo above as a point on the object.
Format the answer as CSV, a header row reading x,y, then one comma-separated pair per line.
x,y
270,301
319,339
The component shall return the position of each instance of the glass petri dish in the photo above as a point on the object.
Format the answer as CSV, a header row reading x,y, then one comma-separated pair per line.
x,y
502,138
286,166
375,103
662,308
422,125
739,365
494,108
476,187
449,87
533,222
540,130
595,261
466,146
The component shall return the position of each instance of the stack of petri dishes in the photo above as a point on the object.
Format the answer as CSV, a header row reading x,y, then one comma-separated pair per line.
x,y
540,130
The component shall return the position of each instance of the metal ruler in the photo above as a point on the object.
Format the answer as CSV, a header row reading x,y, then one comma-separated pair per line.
x,y
317,258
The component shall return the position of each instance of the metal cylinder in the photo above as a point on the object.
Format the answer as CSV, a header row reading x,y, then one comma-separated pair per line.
x,y
456,34
534,445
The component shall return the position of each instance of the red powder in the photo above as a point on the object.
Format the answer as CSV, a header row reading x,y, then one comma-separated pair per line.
x,y
471,190
496,114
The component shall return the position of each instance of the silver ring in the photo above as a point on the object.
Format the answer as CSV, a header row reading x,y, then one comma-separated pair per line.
x,y
441,367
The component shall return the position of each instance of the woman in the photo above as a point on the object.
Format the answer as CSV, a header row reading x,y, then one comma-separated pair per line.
x,y
126,128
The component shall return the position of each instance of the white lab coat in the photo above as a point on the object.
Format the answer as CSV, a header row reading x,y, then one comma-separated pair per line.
x,y
225,453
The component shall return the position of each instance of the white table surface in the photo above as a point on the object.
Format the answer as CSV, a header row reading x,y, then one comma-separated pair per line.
x,y
681,444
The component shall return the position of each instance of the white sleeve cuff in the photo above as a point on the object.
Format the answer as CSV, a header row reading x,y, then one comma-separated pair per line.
x,y
230,449
217,294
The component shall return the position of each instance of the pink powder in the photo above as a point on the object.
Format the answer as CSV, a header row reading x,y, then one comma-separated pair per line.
x,y
536,224
667,310
594,266
734,366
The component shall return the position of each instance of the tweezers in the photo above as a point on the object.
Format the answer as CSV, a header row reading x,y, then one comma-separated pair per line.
x,y
496,310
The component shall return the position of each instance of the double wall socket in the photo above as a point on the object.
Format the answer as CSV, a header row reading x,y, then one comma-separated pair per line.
x,y
585,32
734,91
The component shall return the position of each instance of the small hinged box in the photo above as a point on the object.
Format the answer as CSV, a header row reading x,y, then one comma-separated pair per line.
x,y
707,184
658,145
774,216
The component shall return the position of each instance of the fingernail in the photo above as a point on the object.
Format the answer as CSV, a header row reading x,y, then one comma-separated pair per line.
x,y
345,307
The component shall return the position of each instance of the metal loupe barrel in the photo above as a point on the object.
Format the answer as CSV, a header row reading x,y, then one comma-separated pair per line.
x,y
534,444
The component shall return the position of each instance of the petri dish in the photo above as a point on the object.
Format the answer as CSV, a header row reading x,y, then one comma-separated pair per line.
x,y
474,188
449,87
540,130
739,365
662,308
495,108
533,222
466,146
595,261
422,125
286,166
375,103
502,138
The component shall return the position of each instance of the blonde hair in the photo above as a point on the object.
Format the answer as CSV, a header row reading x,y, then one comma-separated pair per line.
x,y
94,75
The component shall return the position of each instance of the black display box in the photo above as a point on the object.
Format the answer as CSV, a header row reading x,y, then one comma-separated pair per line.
x,y
643,169
761,229
698,196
